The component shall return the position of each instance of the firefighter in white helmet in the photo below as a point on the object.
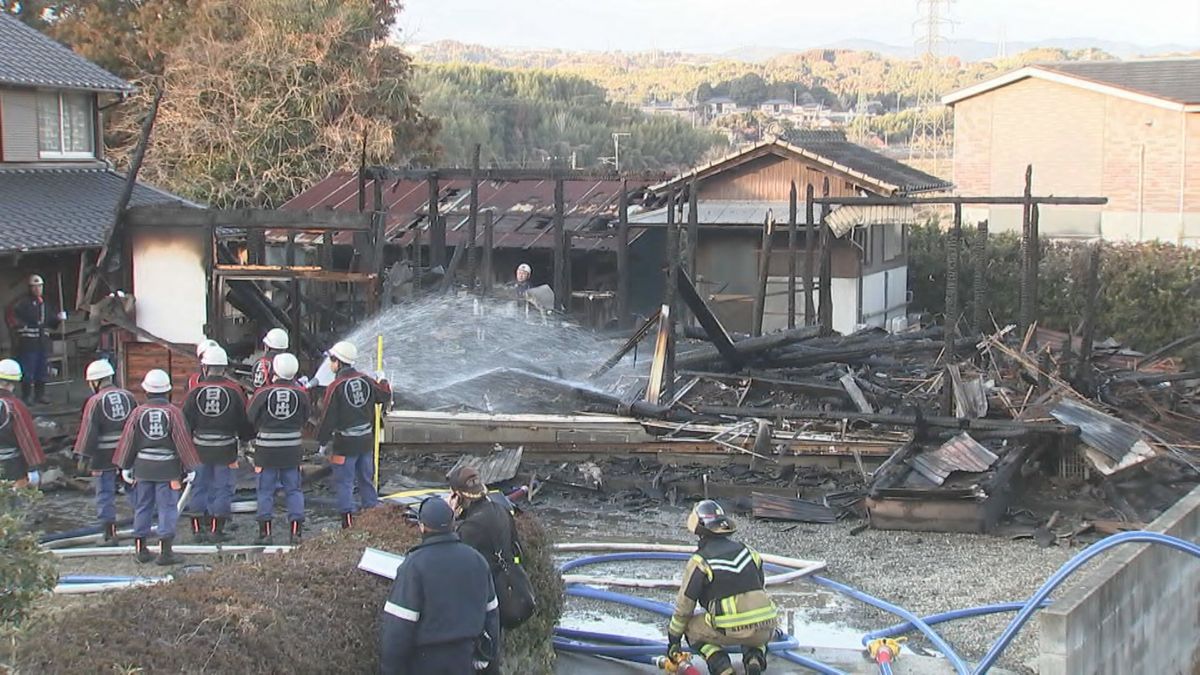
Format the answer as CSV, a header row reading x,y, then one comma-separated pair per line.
x,y
100,429
278,413
154,453
21,455
348,425
204,346
32,322
275,342
215,410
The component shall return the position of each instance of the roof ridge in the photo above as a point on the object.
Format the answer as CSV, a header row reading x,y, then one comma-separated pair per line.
x,y
98,79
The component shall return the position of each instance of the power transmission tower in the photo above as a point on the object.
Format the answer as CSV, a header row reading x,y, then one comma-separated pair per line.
x,y
929,146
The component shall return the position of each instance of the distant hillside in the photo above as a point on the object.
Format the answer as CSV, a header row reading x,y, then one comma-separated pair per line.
x,y
977,50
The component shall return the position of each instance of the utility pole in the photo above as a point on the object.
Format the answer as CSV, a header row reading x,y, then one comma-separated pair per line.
x,y
617,148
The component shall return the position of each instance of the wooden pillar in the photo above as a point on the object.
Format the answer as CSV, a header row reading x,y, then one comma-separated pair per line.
x,y
473,218
489,244
693,236
624,319
764,273
950,330
1035,261
560,253
979,256
810,309
568,269
328,290
378,238
672,269
826,290
418,271
437,226
1025,311
1083,379
792,246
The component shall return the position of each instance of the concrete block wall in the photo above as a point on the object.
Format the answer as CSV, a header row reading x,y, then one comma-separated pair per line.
x,y
1137,610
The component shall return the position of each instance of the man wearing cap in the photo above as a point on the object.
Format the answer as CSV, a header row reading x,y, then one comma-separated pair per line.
x,y
348,426
32,322
275,342
21,455
441,615
278,413
154,451
484,525
103,420
215,410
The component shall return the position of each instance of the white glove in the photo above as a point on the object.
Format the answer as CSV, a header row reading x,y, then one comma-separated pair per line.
x,y
35,478
380,375
323,450
191,476
303,381
62,316
127,475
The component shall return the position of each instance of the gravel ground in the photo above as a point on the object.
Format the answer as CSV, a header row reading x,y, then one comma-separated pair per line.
x,y
922,571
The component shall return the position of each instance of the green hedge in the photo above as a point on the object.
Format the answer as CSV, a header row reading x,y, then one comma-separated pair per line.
x,y
1149,293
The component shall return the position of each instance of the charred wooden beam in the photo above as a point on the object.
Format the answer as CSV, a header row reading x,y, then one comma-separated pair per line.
x,y
638,335
809,387
1024,310
317,221
792,246
624,317
749,347
561,298
437,226
938,422
512,175
670,313
489,248
825,313
810,310
473,218
708,321
764,273
979,257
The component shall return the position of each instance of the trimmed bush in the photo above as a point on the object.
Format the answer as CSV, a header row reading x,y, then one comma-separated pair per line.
x,y
309,611
1149,293
26,571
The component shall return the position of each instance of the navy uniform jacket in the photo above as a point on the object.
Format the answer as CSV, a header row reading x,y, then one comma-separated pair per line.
x,y
348,417
215,410
20,449
443,594
33,319
104,417
156,443
278,413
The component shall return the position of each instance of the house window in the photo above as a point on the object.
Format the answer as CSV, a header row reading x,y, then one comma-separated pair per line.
x,y
65,126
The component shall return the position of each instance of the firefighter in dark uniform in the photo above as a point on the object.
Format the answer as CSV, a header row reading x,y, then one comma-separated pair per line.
x,y
725,577
21,456
275,342
348,423
278,413
32,321
204,346
103,420
441,614
155,450
215,410
486,526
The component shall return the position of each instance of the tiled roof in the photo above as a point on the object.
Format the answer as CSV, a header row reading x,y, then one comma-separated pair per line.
x,y
1175,80
30,59
45,209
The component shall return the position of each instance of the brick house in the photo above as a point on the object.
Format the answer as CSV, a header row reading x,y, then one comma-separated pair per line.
x,y
1126,130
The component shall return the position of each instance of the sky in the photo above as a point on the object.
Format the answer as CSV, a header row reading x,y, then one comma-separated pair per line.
x,y
714,26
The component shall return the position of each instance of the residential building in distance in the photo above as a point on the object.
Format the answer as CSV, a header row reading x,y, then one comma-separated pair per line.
x,y
1125,130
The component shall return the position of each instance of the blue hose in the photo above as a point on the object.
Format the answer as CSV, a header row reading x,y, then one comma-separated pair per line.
x,y
953,615
1065,571
97,579
649,555
885,668
79,532
942,646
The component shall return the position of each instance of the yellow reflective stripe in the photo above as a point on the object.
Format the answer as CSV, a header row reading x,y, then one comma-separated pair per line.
x,y
702,565
744,618
677,626
757,557
707,650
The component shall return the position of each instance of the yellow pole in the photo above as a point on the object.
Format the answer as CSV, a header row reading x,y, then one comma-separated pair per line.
x,y
378,407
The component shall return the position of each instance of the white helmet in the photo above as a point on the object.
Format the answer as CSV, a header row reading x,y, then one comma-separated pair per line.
x,y
156,382
205,346
98,370
10,370
276,338
36,280
524,267
345,352
214,356
285,366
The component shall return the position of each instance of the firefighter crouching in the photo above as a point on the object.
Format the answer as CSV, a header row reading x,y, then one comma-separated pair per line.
x,y
725,577
215,410
348,425
21,455
154,452
278,413
104,417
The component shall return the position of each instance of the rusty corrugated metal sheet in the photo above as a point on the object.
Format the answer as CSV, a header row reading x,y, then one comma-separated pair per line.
x,y
522,210
1099,430
499,466
961,453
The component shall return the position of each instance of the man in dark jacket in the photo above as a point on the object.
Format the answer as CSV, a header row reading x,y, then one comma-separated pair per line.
x,y
275,342
484,525
348,423
215,410
278,413
103,420
32,322
442,613
155,450
21,456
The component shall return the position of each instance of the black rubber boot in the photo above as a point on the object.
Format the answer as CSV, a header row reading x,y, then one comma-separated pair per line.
x,y
755,661
110,534
297,530
264,532
719,664
217,533
39,392
166,556
199,531
142,553
26,392
347,521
